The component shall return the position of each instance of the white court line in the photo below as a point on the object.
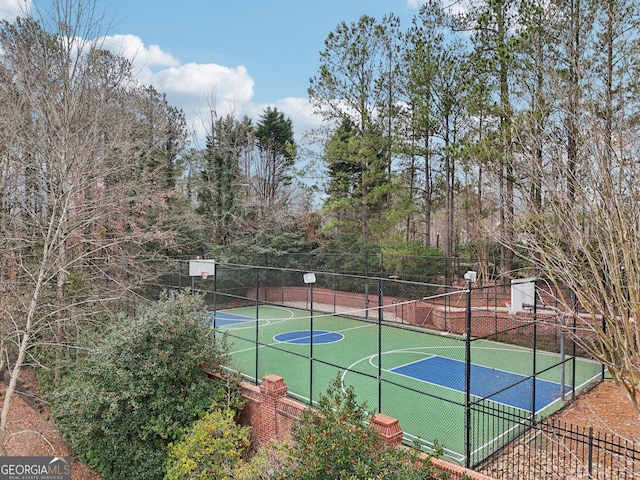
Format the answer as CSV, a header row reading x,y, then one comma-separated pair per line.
x,y
431,447
316,334
267,321
280,343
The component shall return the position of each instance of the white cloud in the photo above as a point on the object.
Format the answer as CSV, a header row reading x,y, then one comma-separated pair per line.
x,y
456,7
230,84
191,87
415,3
141,57
10,9
299,110
196,88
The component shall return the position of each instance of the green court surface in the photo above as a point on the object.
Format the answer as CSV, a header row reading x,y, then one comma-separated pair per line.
x,y
411,374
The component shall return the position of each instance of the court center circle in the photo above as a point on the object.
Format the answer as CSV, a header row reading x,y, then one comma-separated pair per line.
x,y
303,337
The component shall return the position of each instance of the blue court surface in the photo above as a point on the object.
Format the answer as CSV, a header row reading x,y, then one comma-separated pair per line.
x,y
485,382
303,337
222,319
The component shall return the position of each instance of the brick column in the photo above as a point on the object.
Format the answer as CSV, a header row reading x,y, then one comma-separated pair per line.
x,y
388,428
272,389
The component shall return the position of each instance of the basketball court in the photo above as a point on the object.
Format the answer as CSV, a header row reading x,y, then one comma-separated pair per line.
x,y
416,376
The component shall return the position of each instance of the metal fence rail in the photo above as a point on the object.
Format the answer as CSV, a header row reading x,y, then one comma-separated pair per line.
x,y
551,449
471,327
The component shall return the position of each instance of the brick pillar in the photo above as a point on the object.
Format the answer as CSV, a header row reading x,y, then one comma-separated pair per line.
x,y
388,428
272,389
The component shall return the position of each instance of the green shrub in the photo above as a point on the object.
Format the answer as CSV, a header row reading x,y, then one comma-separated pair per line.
x,y
215,448
265,463
334,441
212,449
141,388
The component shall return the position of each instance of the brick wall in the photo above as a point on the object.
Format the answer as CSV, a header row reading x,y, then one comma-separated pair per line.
x,y
320,296
486,319
268,410
270,413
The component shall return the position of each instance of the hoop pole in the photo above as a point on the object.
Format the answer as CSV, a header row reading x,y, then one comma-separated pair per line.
x,y
311,347
215,302
257,322
535,354
574,301
380,317
562,357
467,375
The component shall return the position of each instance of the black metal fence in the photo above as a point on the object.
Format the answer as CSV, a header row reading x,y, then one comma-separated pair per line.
x,y
414,268
469,323
551,449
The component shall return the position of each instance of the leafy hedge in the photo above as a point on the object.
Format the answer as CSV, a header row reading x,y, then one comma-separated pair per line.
x,y
144,384
213,448
334,441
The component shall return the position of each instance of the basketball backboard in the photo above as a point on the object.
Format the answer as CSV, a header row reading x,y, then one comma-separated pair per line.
x,y
202,268
523,293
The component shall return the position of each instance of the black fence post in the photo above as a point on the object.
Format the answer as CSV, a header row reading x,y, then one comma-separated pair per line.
x,y
380,317
366,285
335,292
311,345
535,353
604,331
590,461
215,300
467,374
257,321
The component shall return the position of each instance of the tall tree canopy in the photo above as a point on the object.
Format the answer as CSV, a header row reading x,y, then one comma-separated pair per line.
x,y
277,151
356,83
87,162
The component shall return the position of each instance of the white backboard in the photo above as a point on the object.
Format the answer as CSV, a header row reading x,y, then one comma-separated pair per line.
x,y
523,292
202,268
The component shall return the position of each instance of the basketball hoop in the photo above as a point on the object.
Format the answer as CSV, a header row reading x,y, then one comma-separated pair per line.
x,y
202,268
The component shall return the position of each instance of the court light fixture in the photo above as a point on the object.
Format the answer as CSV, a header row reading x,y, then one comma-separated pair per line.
x,y
309,278
471,276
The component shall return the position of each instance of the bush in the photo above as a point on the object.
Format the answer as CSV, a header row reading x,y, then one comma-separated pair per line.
x,y
213,448
335,441
141,388
265,463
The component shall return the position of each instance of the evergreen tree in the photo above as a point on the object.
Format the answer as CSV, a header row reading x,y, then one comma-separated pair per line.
x,y
357,82
220,176
495,34
277,150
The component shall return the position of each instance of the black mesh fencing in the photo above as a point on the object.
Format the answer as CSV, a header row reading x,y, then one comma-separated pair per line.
x,y
415,268
461,369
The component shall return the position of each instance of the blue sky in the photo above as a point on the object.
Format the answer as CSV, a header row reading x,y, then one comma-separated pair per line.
x,y
246,54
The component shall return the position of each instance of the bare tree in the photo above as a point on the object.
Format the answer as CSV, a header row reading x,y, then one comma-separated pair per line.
x,y
78,195
580,227
585,238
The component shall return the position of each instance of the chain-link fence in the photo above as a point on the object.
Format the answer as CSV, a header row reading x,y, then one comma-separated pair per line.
x,y
415,268
457,367
551,368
